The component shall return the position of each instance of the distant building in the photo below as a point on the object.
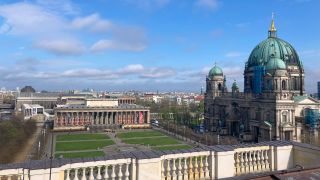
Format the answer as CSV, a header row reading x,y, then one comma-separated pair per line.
x,y
28,89
32,110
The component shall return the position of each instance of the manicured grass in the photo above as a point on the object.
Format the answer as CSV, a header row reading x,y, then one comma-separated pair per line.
x,y
152,141
139,134
75,137
78,145
80,154
162,148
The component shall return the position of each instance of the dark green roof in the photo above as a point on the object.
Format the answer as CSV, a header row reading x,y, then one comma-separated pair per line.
x,y
275,63
215,71
270,48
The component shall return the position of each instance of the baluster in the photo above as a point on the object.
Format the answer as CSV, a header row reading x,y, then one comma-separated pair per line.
x,y
237,162
168,169
120,172
196,170
9,177
190,172
113,174
68,174
250,162
266,161
254,161
180,174
246,162
258,161
262,160
76,174
83,176
201,174
185,168
206,167
106,175
173,169
163,169
127,172
91,177
241,163
99,173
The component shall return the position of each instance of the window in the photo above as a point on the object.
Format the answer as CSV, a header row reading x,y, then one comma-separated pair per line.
x,y
283,84
219,87
284,117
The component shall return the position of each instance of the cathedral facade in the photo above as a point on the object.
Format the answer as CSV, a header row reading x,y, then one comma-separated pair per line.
x,y
273,102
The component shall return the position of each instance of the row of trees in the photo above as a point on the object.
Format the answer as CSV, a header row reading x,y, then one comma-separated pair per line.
x,y
13,135
183,114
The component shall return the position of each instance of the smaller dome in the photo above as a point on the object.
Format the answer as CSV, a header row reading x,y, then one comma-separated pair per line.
x,y
215,71
235,85
275,63
28,89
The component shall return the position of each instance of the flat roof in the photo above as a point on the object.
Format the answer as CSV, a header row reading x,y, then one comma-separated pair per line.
x,y
121,106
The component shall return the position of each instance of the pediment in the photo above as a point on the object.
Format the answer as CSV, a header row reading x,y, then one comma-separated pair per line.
x,y
306,100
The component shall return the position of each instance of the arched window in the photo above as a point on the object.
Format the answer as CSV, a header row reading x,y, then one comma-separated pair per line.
x,y
283,85
219,87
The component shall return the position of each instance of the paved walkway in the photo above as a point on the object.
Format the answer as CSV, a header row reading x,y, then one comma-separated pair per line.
x,y
84,140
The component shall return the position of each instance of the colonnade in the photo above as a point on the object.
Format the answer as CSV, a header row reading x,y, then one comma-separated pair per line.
x,y
126,101
81,118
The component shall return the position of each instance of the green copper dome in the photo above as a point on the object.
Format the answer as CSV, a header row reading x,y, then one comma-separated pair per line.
x,y
235,85
275,63
215,71
273,47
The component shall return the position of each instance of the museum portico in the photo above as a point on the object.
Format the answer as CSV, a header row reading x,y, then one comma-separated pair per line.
x,y
82,116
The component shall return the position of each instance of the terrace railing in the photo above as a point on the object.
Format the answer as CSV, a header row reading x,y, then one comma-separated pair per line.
x,y
212,162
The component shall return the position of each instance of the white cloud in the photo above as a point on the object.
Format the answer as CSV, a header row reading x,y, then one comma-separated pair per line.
x,y
61,46
85,73
105,44
63,6
40,22
4,28
207,4
132,68
92,22
159,72
28,19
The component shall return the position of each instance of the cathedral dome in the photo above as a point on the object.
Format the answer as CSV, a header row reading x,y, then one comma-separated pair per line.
x,y
215,71
275,64
271,48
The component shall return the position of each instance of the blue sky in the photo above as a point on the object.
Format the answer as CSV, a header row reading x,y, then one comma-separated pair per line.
x,y
149,45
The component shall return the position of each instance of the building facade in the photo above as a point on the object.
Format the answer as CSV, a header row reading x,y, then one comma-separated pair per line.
x,y
82,116
269,107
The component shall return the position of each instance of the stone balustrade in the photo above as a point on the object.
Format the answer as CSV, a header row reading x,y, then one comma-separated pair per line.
x,y
210,162
253,159
185,165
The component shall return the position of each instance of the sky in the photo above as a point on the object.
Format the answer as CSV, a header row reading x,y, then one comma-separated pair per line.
x,y
146,45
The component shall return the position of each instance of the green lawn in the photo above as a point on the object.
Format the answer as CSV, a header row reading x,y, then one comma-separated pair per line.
x,y
152,141
75,137
162,148
80,154
78,145
139,134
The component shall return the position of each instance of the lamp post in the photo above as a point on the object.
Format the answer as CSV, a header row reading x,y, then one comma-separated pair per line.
x,y
51,155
